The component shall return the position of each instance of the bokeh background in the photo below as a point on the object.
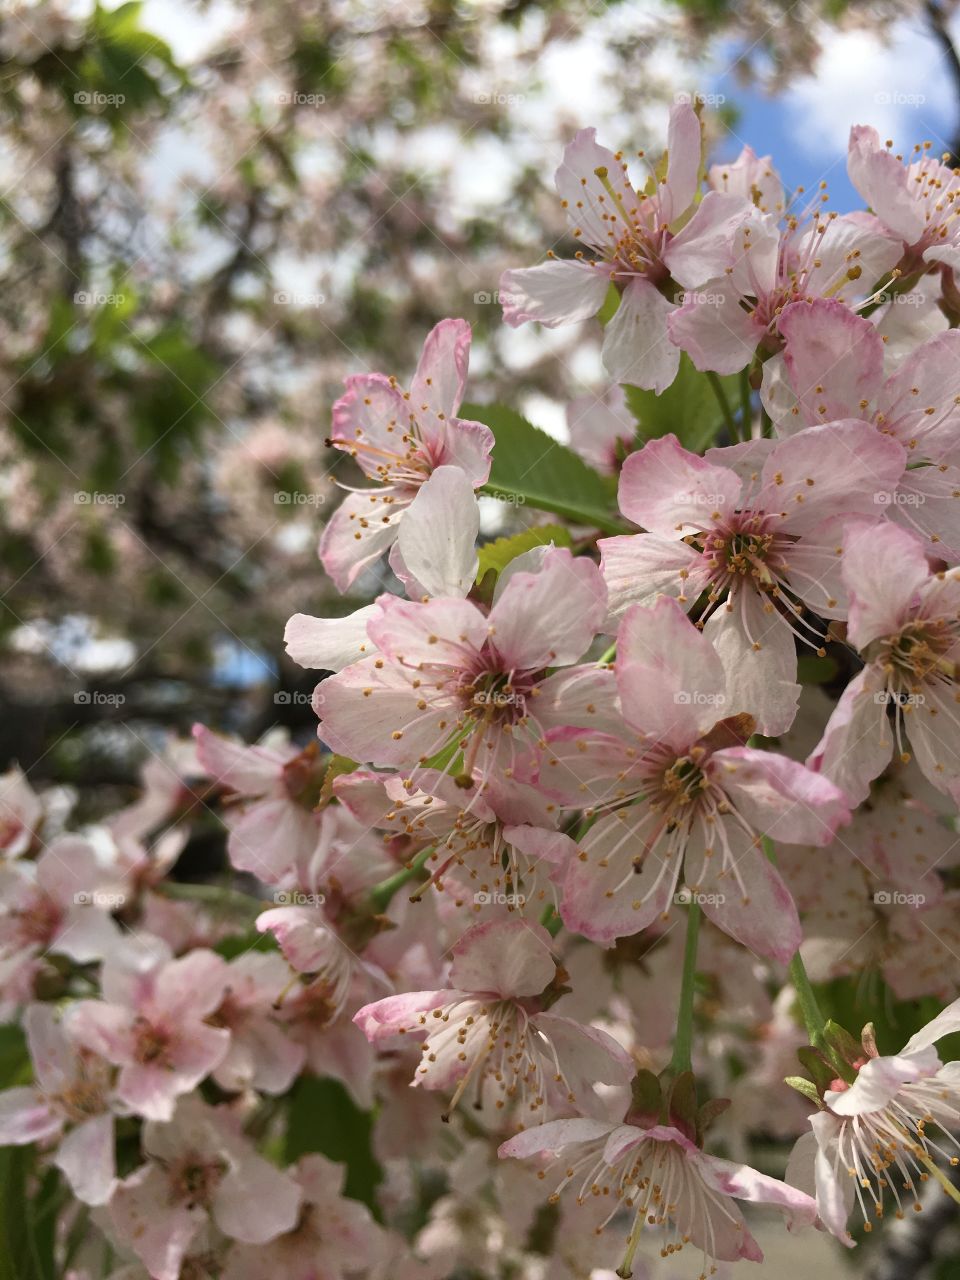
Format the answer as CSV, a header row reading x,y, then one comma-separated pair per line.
x,y
211,213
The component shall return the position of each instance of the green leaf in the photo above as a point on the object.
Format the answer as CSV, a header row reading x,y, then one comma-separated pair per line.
x,y
530,468
323,1117
689,408
495,556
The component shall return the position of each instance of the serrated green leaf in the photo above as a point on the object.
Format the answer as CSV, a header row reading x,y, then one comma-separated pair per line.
x,y
495,556
689,408
530,468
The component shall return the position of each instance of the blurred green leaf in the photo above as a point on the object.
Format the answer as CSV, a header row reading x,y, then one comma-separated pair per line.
x,y
689,408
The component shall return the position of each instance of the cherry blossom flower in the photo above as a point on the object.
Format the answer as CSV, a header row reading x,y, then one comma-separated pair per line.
x,y
684,794
398,438
55,904
261,1054
69,1102
832,366
152,1023
200,1167
660,1175
333,1237
870,1144
916,201
449,675
758,529
722,323
633,236
500,845
277,789
905,621
490,1032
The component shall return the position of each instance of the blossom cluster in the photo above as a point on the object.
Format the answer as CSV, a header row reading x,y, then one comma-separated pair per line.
x,y
571,804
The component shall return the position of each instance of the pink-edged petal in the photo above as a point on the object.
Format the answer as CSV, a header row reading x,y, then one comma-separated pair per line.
x,y
883,182
251,771
586,1054
270,836
879,1081
436,632
844,468
745,896
884,568
714,330
605,895
552,1137
361,529
438,535
303,936
779,796
158,1229
593,215
361,725
86,1159
639,567
442,369
509,957
105,1029
834,359
554,293
636,346
927,502
25,1117
396,1015
467,445
329,644
751,177
549,618
369,422
669,491
671,682
256,1201
857,742
191,986
757,652
834,1186
703,249
745,1183
539,844
684,154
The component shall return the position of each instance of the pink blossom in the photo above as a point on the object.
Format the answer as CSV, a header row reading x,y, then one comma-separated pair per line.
x,y
915,201
446,673
758,528
277,789
668,1182
869,1143
398,438
904,621
333,1237
633,236
261,1054
602,431
69,1102
153,1024
722,323
683,794
833,367
490,1032
200,1168
751,177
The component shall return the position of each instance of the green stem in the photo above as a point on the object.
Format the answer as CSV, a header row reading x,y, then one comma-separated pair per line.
x,y
813,1018
746,406
381,895
683,1040
724,403
608,655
